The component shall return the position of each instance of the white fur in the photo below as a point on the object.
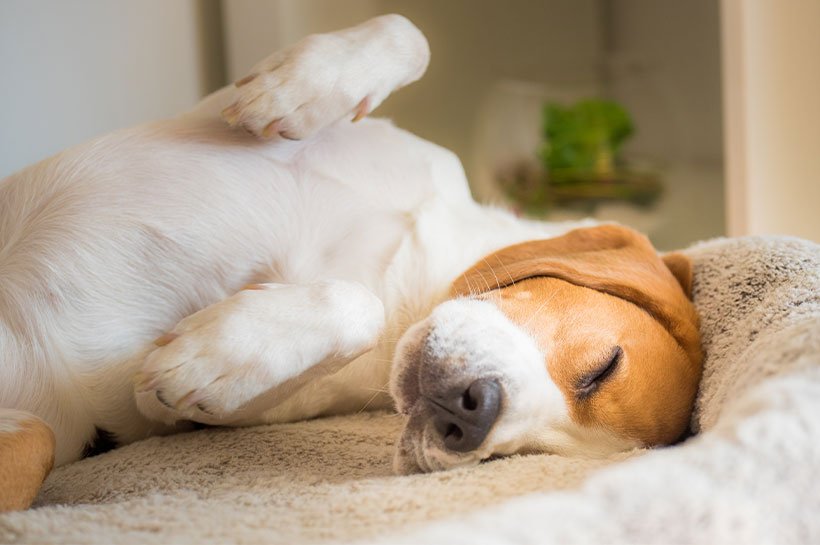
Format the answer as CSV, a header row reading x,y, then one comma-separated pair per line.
x,y
11,420
325,76
250,352
154,229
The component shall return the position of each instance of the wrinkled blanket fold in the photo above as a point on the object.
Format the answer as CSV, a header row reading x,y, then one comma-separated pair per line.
x,y
750,475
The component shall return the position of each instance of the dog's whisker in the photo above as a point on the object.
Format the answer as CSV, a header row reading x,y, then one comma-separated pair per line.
x,y
536,312
369,401
487,284
383,390
470,288
497,281
500,262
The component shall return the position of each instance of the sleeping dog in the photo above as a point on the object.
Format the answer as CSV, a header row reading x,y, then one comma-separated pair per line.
x,y
261,259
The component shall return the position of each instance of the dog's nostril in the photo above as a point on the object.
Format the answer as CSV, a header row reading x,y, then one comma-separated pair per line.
x,y
468,402
453,433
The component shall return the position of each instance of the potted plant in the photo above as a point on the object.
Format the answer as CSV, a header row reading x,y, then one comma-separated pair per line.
x,y
580,161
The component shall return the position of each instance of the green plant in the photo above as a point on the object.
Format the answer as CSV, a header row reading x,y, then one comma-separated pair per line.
x,y
581,163
583,141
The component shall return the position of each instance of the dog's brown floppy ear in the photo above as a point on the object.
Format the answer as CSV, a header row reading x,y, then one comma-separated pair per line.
x,y
608,258
525,260
681,267
604,250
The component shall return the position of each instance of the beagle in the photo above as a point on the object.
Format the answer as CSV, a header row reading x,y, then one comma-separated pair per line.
x,y
260,259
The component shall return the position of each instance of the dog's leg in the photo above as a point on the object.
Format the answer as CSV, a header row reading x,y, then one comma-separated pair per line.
x,y
322,79
26,457
242,356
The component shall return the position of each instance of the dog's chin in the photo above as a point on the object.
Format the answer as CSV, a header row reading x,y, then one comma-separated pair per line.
x,y
420,450
405,382
405,389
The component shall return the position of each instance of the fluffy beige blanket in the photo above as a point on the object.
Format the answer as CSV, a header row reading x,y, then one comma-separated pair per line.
x,y
751,475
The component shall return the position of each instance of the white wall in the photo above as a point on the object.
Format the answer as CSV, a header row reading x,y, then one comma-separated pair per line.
x,y
75,69
772,97
664,65
256,28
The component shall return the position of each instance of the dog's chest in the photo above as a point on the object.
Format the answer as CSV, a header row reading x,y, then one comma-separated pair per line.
x,y
347,217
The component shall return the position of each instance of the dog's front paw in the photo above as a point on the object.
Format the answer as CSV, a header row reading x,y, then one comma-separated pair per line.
x,y
326,77
241,356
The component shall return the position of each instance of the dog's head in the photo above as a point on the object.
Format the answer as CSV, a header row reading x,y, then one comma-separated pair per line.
x,y
582,344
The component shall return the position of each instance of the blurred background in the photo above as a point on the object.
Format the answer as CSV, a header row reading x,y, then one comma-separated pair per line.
x,y
680,70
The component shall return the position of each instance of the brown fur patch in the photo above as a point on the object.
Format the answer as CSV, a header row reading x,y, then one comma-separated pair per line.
x,y
680,266
26,458
165,339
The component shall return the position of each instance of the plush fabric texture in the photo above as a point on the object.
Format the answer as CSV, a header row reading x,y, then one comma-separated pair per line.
x,y
750,475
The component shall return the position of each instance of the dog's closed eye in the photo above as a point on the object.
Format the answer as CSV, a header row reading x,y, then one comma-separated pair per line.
x,y
590,382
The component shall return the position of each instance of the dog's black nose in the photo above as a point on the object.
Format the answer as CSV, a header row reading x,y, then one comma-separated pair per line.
x,y
464,416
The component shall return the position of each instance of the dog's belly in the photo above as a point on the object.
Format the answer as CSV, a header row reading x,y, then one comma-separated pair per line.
x,y
111,243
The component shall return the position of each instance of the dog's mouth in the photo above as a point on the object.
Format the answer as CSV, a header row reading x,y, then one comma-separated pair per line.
x,y
451,393
420,448
405,387
405,382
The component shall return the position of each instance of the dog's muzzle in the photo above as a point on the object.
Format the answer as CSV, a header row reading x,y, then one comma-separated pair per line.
x,y
453,377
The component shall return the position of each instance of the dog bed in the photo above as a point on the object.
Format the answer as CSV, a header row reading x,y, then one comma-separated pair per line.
x,y
751,474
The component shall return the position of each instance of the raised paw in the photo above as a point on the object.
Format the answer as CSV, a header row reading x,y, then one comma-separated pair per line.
x,y
241,356
326,77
